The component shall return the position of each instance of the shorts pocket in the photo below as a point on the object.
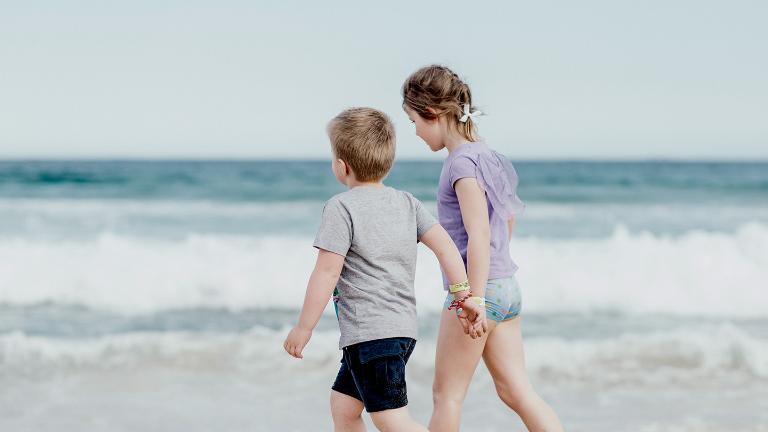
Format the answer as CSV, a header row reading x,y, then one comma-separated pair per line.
x,y
381,348
384,361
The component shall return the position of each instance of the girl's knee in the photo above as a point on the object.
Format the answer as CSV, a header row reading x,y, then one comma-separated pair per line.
x,y
515,395
449,398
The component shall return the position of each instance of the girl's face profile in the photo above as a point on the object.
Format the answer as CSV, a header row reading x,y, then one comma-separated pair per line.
x,y
427,130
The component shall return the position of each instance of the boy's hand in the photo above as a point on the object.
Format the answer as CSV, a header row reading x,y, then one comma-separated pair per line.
x,y
296,341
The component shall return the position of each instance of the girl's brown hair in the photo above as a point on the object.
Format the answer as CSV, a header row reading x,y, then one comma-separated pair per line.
x,y
440,89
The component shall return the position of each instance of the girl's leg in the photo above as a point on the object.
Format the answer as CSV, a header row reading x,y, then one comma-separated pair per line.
x,y
346,412
455,362
503,355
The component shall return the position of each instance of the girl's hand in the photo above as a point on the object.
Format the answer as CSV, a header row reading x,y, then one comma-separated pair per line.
x,y
296,341
472,317
480,325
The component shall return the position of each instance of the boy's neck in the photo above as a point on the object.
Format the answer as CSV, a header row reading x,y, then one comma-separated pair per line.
x,y
352,183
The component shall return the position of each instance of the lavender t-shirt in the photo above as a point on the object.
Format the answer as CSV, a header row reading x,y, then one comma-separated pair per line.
x,y
496,176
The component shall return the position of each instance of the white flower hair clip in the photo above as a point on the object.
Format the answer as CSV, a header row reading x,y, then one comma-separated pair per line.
x,y
467,114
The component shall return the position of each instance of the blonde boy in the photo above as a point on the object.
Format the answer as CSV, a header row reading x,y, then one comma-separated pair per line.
x,y
367,243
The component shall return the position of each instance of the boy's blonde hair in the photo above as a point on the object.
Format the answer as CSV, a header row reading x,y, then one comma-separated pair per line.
x,y
364,138
440,89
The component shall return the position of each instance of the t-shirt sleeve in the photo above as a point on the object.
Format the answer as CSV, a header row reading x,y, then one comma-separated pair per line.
x,y
462,167
424,219
335,232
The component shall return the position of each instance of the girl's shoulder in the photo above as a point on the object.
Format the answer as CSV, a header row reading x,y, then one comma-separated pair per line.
x,y
471,149
494,174
475,154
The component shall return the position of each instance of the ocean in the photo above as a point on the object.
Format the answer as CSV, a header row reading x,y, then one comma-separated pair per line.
x,y
155,295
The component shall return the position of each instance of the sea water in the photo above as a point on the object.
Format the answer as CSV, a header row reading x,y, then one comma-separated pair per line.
x,y
155,296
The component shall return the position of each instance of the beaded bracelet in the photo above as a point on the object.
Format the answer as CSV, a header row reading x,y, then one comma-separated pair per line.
x,y
457,303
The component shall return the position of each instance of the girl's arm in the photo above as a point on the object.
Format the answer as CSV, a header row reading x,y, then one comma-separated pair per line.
x,y
474,212
319,289
510,226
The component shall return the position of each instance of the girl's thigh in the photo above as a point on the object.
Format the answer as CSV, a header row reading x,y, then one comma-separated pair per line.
x,y
457,356
503,354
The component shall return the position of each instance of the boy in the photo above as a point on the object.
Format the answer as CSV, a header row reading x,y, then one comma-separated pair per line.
x,y
367,244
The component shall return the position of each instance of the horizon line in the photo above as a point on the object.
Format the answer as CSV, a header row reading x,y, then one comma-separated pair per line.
x,y
402,159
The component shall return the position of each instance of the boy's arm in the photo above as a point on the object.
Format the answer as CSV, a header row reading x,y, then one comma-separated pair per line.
x,y
319,289
439,242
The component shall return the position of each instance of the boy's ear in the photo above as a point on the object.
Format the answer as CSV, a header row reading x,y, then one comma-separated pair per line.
x,y
432,111
344,166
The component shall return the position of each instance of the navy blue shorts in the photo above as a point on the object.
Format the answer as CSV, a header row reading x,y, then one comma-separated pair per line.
x,y
374,372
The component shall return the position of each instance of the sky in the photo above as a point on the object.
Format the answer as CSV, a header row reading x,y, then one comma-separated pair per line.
x,y
255,79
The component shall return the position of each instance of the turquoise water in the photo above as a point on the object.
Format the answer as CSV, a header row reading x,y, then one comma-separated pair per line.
x,y
173,199
189,234
278,181
643,295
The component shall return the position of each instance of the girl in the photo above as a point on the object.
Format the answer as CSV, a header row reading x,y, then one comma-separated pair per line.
x,y
476,204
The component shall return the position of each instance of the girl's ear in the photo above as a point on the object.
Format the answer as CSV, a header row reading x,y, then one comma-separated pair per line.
x,y
436,115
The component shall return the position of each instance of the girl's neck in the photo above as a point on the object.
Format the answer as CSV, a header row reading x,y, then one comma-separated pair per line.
x,y
453,144
453,140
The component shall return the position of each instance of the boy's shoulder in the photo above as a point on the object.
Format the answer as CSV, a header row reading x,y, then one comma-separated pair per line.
x,y
337,198
367,197
368,192
341,199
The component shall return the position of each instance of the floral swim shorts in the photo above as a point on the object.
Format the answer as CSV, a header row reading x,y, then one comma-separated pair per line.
x,y
503,300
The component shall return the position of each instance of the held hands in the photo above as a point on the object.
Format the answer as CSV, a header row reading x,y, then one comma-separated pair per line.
x,y
296,341
472,319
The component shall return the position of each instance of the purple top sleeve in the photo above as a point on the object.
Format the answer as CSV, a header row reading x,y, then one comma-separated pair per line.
x,y
495,175
462,167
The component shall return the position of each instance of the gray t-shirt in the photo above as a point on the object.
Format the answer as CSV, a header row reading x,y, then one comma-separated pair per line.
x,y
376,229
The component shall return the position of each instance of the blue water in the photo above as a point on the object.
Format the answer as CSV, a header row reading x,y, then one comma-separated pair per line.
x,y
174,198
161,283
273,181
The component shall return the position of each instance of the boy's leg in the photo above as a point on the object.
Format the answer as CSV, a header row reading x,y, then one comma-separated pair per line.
x,y
346,412
396,420
346,403
378,368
